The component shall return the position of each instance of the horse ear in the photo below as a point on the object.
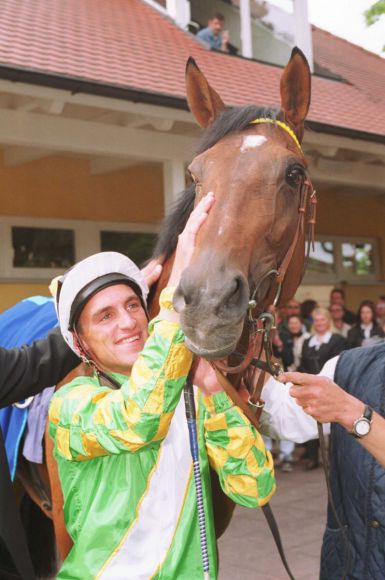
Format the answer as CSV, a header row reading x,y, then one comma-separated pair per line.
x,y
296,90
204,103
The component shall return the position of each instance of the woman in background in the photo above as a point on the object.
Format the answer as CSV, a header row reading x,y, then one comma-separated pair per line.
x,y
366,331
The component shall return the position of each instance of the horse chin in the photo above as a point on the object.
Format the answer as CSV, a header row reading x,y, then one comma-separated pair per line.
x,y
217,353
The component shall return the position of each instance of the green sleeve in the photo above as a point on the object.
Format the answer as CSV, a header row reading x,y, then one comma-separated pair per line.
x,y
88,421
237,452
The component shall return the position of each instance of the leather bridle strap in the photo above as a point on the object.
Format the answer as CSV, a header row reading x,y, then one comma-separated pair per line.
x,y
234,395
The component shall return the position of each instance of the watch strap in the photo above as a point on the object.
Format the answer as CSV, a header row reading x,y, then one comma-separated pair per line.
x,y
367,416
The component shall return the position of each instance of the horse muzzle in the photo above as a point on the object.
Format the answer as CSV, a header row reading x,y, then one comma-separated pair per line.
x,y
212,304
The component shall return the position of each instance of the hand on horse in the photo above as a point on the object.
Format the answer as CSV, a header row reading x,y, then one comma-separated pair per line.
x,y
204,377
186,240
323,399
152,271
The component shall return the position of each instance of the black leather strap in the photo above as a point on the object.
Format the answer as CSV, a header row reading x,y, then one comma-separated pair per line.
x,y
268,513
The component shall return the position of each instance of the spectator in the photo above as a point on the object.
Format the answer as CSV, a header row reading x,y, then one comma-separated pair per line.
x,y
291,341
214,34
380,311
307,308
366,331
339,326
337,296
316,351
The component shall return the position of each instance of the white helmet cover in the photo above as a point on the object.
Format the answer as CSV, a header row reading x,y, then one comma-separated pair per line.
x,y
90,270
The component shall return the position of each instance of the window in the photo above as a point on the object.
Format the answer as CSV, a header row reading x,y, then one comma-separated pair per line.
x,y
40,249
336,259
137,246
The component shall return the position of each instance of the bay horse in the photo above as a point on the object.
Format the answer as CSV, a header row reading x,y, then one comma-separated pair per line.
x,y
251,250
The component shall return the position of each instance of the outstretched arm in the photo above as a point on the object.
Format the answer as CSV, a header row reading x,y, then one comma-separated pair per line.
x,y
28,370
321,398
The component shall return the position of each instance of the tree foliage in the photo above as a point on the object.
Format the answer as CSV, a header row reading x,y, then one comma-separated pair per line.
x,y
374,13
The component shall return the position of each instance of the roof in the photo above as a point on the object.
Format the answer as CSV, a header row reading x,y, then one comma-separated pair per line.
x,y
129,45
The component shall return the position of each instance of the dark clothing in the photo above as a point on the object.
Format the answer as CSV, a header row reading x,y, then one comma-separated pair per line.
x,y
313,360
356,334
349,317
24,372
357,479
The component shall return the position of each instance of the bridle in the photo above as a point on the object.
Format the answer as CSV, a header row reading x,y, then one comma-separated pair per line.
x,y
261,326
259,355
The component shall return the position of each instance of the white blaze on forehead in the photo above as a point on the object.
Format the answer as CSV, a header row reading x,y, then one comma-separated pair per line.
x,y
252,141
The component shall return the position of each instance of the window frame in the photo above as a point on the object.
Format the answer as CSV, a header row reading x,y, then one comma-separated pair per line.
x,y
341,275
87,240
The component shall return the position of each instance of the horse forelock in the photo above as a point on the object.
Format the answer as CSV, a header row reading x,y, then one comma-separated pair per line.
x,y
230,121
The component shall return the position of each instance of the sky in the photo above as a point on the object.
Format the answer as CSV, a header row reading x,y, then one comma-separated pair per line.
x,y
345,18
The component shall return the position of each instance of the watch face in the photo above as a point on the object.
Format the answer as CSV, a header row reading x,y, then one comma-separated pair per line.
x,y
362,427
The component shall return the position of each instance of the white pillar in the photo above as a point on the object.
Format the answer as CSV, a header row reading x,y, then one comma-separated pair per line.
x,y
246,38
174,182
180,11
303,33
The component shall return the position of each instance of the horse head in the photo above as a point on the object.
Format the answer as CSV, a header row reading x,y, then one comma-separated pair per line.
x,y
252,160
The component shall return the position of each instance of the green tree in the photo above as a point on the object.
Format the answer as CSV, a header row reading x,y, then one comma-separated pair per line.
x,y
374,13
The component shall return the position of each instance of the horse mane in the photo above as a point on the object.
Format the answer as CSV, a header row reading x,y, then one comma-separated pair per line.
x,y
230,121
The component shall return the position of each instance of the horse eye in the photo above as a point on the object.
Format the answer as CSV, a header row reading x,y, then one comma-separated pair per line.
x,y
294,175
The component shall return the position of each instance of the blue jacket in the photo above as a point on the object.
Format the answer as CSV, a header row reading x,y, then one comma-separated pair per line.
x,y
357,480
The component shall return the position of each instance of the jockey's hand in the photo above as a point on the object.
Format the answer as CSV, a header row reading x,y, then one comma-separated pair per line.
x,y
152,271
186,240
323,399
204,377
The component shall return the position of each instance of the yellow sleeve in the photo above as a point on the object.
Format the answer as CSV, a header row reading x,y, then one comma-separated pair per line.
x,y
237,452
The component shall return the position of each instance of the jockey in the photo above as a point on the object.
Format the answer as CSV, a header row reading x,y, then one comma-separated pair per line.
x,y
123,453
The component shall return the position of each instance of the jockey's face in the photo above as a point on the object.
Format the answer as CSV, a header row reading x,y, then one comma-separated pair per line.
x,y
113,328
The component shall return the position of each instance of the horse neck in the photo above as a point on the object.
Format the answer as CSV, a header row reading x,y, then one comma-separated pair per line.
x,y
153,301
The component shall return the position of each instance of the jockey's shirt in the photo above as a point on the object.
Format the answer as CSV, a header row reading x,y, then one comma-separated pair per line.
x,y
126,470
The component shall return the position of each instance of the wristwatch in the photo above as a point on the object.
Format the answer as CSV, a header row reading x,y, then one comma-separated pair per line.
x,y
363,424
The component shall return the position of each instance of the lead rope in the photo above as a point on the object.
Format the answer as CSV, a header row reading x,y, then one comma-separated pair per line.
x,y
193,437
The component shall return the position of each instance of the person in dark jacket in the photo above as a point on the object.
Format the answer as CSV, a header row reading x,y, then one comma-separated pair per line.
x,y
350,393
25,372
337,296
316,351
366,331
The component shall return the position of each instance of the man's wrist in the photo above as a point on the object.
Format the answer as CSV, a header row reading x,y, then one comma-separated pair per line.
x,y
354,409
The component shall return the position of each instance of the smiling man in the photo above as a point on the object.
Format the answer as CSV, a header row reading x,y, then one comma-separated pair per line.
x,y
123,455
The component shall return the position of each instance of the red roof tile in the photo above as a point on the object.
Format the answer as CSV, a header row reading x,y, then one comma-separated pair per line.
x,y
127,43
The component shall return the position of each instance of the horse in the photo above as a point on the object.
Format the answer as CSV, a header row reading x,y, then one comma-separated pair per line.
x,y
250,253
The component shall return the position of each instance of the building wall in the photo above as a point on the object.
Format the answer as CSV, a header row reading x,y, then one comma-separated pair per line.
x,y
350,215
63,188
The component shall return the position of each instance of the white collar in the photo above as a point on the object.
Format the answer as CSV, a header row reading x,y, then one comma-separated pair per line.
x,y
317,340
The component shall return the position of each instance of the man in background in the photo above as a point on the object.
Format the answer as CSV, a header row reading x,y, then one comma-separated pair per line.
x,y
213,34
339,326
337,296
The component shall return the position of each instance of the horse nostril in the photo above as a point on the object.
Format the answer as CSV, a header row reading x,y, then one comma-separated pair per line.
x,y
235,291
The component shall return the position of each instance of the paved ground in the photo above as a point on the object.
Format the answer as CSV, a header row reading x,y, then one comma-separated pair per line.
x,y
247,549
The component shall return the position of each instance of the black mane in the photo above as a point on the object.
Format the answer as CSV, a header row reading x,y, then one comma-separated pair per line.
x,y
230,121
